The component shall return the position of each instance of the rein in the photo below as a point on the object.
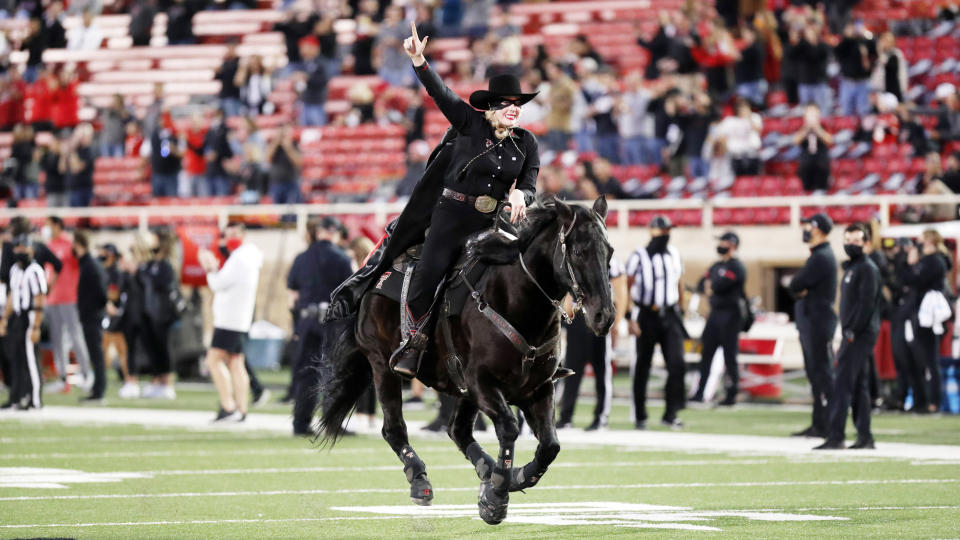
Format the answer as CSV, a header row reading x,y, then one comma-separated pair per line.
x,y
574,285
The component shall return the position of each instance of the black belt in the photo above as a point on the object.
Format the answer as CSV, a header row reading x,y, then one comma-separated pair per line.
x,y
483,203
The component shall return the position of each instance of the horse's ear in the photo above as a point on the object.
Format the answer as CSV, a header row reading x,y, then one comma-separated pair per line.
x,y
600,207
564,211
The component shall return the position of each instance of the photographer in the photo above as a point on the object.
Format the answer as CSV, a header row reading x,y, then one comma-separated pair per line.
x,y
813,140
285,161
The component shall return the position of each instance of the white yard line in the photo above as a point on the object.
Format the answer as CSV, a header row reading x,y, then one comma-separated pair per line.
x,y
548,487
658,440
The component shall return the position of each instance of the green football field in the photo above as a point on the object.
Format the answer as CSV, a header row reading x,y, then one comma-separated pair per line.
x,y
70,477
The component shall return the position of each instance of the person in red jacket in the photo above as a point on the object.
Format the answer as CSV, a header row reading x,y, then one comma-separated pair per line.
x,y
193,163
16,93
66,103
39,107
133,140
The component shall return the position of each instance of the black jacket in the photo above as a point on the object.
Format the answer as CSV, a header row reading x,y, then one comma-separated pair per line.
x,y
811,61
480,163
317,272
91,290
927,275
819,278
851,58
726,280
860,297
41,254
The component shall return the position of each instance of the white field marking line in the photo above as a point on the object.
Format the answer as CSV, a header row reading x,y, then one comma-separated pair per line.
x,y
199,522
387,518
474,488
205,453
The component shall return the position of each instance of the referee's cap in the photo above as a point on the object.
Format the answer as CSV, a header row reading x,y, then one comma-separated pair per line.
x,y
23,240
661,222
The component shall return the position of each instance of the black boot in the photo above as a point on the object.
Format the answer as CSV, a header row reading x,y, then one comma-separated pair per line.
x,y
405,361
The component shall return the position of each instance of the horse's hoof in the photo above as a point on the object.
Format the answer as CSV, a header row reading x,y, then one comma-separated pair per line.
x,y
493,506
421,491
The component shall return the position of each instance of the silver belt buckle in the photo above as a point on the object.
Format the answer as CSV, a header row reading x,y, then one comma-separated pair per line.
x,y
485,204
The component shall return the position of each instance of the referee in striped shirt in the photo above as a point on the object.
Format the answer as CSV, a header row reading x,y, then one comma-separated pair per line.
x,y
653,275
20,324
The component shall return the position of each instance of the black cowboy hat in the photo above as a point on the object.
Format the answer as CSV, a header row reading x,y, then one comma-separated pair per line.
x,y
500,88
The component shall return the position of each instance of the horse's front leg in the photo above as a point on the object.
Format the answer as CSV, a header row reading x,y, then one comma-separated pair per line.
x,y
539,412
461,432
389,392
495,491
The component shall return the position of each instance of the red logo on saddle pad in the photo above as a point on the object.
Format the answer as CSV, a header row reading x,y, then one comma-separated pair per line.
x,y
383,279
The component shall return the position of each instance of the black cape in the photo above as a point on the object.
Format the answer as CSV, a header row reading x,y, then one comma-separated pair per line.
x,y
401,234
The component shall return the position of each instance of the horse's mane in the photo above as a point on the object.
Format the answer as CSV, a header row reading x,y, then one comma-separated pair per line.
x,y
493,248
539,217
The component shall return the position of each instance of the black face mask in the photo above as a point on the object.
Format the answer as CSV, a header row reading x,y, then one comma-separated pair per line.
x,y
224,251
102,259
807,236
853,251
659,243
723,250
21,258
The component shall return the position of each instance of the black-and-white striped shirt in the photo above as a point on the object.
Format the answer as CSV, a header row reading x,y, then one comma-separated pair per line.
x,y
25,285
656,277
616,268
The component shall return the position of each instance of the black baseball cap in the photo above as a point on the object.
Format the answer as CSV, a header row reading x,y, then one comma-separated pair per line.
x,y
111,249
820,221
661,222
731,237
330,223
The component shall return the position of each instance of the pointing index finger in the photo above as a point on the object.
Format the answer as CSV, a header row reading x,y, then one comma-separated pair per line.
x,y
413,30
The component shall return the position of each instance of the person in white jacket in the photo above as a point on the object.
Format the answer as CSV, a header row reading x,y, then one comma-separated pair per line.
x,y
234,289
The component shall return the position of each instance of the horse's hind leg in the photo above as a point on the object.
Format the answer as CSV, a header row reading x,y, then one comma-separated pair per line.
x,y
539,413
495,492
461,432
394,431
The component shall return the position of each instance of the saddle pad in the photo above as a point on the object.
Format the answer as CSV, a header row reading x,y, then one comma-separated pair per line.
x,y
390,283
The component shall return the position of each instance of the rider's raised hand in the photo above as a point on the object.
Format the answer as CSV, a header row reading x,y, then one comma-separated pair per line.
x,y
414,47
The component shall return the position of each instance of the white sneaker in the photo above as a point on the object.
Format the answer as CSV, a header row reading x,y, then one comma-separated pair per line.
x,y
264,398
149,391
87,382
55,387
129,390
166,392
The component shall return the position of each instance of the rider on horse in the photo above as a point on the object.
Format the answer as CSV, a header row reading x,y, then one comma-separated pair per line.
x,y
489,154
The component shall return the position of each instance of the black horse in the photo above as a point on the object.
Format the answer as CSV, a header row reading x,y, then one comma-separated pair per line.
x,y
560,249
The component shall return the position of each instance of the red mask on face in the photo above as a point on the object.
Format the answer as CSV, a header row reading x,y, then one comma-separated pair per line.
x,y
233,244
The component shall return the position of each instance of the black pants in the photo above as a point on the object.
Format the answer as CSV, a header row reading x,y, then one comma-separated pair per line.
x,y
5,369
156,341
902,358
25,382
93,335
722,330
306,377
584,347
851,386
452,222
925,350
814,173
666,332
815,343
255,384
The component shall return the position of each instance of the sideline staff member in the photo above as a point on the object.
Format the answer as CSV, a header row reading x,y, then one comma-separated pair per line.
x,y
815,288
653,275
726,279
860,323
20,325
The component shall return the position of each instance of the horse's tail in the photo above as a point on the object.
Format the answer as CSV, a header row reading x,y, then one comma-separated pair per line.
x,y
344,374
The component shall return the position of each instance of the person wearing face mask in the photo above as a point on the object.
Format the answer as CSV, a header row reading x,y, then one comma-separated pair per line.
x,y
924,276
815,288
724,282
118,316
91,302
160,287
860,326
653,277
234,289
20,325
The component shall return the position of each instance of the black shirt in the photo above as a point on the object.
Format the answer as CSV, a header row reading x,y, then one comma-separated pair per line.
x,y
811,62
750,67
163,157
925,276
727,279
819,278
282,169
84,178
860,297
481,164
851,58
216,141
317,272
226,74
91,290
50,165
315,92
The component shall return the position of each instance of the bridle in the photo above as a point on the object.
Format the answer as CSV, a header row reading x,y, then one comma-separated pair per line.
x,y
575,289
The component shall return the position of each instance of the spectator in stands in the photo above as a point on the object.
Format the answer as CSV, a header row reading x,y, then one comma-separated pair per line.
x,y
154,112
226,73
114,121
119,296
417,154
361,57
295,26
91,301
810,56
161,293
34,43
553,181
142,14
251,174
767,27
948,114
476,16
14,90
52,27
326,36
716,56
193,182
414,117
696,128
217,152
66,102
951,174
932,182
361,106
285,161
741,136
55,184
393,65
180,21
748,71
77,160
720,165
856,53
39,106
87,36
253,79
635,122
890,71
912,131
607,184
133,140
22,152
311,84
602,111
560,99
813,140
164,152
664,47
